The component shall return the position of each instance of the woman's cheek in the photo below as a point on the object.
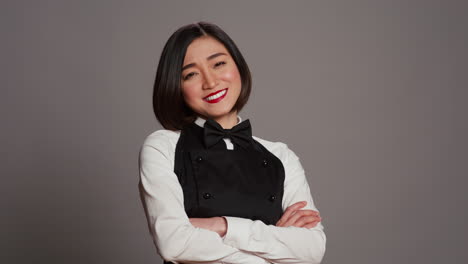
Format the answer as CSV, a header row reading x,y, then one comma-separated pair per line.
x,y
231,75
190,93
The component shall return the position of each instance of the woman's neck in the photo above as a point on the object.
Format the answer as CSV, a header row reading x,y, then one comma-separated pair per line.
x,y
227,121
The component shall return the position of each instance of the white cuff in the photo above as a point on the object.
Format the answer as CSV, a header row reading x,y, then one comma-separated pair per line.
x,y
238,232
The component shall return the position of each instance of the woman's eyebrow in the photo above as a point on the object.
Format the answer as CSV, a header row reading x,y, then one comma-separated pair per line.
x,y
208,58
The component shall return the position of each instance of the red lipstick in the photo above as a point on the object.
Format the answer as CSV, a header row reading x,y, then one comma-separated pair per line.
x,y
216,99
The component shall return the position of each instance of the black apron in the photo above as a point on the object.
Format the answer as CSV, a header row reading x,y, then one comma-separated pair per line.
x,y
247,183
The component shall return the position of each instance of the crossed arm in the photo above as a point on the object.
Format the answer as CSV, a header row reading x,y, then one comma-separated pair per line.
x,y
293,216
183,240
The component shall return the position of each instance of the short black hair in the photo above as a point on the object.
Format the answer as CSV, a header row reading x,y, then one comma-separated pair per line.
x,y
168,101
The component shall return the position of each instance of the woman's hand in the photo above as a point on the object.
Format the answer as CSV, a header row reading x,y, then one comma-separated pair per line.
x,y
299,218
215,224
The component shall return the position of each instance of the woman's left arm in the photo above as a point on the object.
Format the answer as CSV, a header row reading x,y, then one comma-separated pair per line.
x,y
281,244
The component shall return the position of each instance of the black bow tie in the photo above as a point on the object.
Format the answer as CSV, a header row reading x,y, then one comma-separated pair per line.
x,y
240,134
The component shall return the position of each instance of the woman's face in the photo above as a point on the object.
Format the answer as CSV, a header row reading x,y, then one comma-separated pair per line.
x,y
211,82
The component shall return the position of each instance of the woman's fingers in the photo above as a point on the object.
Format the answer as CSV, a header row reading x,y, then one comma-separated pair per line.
x,y
290,211
299,215
307,220
310,225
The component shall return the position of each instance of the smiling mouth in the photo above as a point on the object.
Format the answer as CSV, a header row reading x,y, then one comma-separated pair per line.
x,y
216,97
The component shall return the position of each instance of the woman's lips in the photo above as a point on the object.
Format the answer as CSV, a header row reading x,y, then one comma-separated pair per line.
x,y
216,96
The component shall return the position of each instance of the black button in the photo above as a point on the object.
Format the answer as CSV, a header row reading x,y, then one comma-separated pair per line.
x,y
207,195
265,163
199,159
272,198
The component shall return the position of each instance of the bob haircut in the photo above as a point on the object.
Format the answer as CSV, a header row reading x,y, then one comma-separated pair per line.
x,y
168,101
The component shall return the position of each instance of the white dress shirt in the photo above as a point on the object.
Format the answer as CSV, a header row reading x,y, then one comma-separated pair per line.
x,y
246,241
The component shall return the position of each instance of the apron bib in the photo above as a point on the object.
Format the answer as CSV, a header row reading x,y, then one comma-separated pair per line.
x,y
247,183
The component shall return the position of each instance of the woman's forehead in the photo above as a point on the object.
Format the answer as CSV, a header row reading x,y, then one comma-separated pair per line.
x,y
201,48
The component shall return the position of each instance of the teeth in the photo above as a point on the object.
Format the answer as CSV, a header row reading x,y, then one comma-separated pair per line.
x,y
216,95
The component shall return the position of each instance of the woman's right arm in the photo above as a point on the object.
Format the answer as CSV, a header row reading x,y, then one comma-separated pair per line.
x,y
176,239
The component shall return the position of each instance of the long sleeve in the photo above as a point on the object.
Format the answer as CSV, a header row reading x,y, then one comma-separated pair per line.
x,y
176,239
281,244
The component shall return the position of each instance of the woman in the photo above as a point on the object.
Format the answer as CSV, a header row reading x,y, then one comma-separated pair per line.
x,y
212,192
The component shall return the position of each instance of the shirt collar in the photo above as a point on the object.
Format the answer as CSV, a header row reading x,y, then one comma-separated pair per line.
x,y
201,122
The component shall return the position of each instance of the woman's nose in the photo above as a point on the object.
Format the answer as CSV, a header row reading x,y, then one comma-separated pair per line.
x,y
210,80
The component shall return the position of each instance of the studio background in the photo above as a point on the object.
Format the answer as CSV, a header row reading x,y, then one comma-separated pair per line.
x,y
371,95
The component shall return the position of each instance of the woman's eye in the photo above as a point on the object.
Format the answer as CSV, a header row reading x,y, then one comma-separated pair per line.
x,y
220,63
188,76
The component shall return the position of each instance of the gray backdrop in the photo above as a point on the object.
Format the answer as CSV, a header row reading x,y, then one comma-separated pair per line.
x,y
370,95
